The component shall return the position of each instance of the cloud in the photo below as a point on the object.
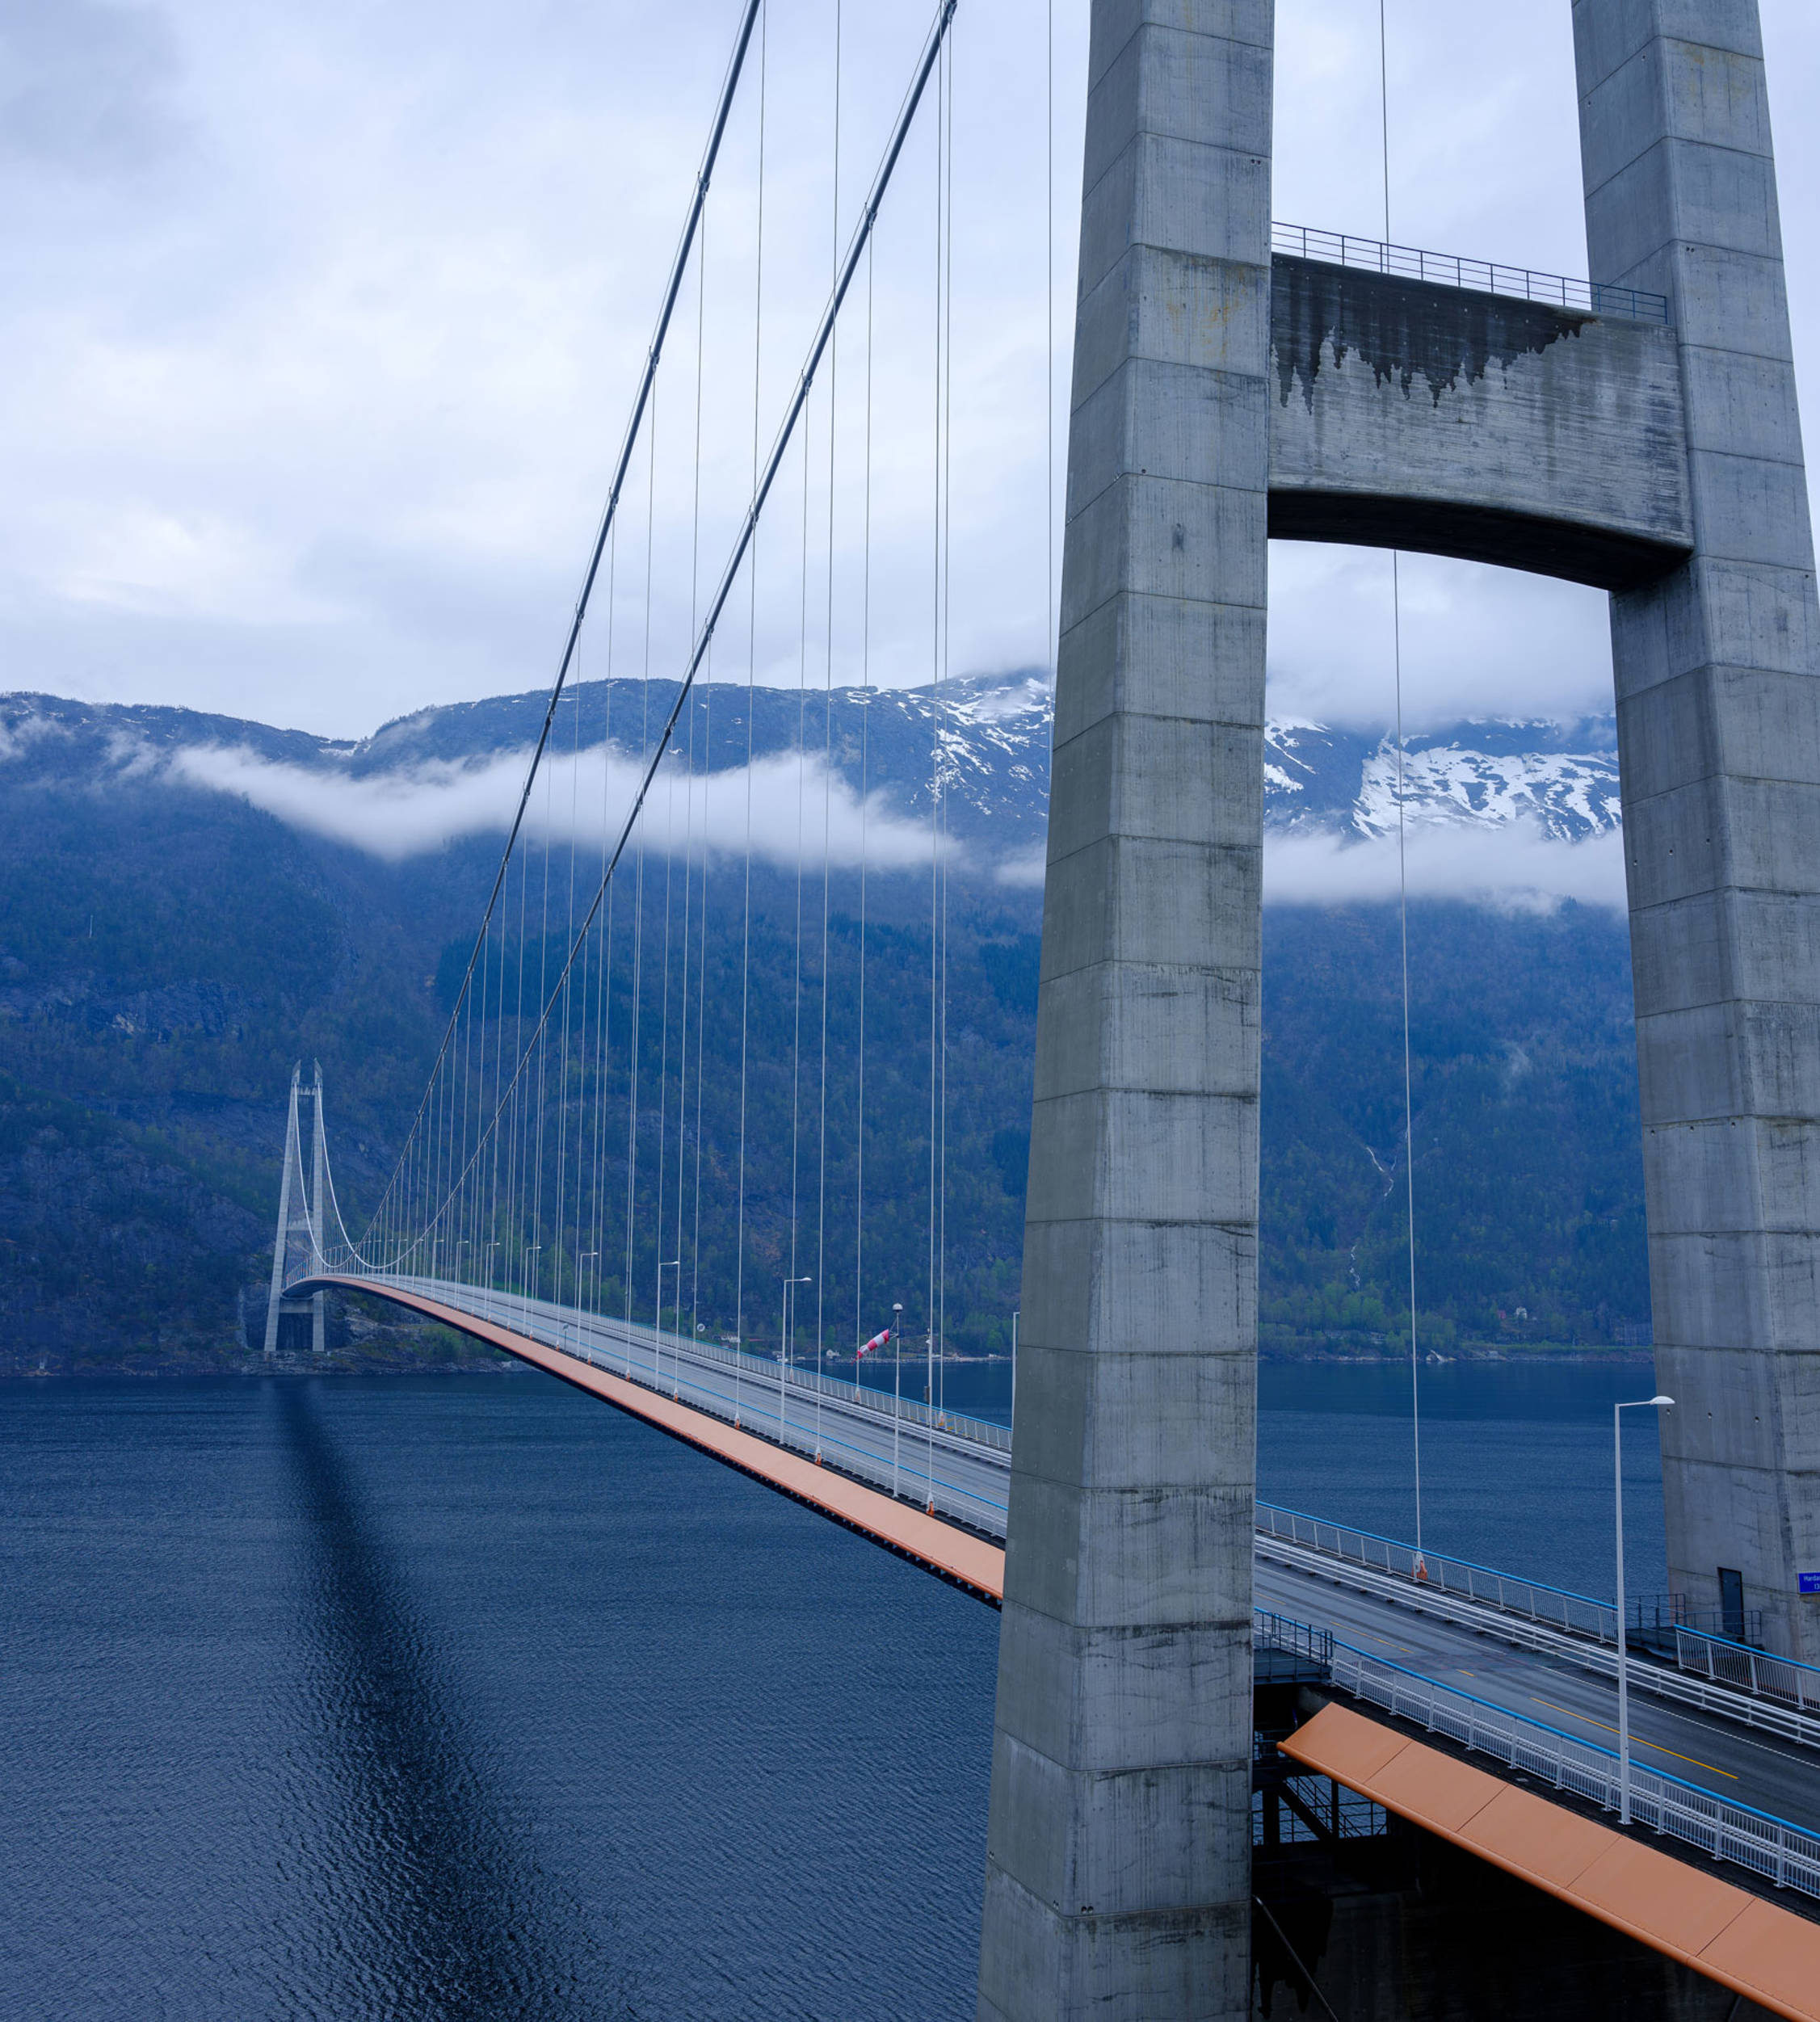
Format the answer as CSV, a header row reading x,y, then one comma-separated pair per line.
x,y
1516,867
82,84
1023,868
791,809
1476,641
318,345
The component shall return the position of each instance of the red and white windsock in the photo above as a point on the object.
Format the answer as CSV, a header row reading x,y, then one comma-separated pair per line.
x,y
877,1341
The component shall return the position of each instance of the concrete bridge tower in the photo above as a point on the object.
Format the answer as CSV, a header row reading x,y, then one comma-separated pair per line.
x,y
1719,751
1118,1876
1220,397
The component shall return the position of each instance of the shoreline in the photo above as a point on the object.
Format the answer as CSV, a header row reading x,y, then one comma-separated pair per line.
x,y
332,1365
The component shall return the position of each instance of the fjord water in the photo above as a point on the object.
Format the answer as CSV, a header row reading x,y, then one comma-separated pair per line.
x,y
468,1698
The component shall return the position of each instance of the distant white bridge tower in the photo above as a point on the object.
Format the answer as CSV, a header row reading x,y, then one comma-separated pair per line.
x,y
299,1240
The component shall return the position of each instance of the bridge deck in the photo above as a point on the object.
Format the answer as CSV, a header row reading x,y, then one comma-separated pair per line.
x,y
1752,1768
942,1548
1478,1651
1753,1946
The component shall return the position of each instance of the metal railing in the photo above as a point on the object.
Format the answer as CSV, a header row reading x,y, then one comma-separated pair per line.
x,y
1557,1607
1786,1854
1455,270
1662,1681
1655,1617
571,1334
1735,1666
1271,1631
1343,1815
1757,1671
661,1363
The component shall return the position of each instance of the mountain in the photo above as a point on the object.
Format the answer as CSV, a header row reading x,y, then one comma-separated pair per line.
x,y
192,902
992,731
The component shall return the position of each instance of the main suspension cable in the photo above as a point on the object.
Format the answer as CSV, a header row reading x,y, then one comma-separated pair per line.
x,y
641,399
932,50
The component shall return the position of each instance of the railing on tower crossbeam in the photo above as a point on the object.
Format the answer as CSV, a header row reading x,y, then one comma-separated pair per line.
x,y
1459,270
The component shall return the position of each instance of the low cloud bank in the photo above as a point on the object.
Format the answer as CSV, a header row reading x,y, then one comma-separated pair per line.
x,y
1516,867
787,803
791,807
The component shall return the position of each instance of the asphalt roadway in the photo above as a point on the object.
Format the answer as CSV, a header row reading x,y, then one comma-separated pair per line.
x,y
963,1478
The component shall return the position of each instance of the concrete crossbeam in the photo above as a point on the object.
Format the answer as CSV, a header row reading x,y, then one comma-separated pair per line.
x,y
1409,414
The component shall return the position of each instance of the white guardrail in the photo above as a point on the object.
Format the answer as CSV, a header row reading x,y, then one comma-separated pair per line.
x,y
1728,1678
1780,1852
1736,1667
1747,1670
1683,1689
670,1365
1573,1614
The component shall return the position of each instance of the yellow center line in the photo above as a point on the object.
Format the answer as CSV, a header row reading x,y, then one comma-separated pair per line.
x,y
1588,1719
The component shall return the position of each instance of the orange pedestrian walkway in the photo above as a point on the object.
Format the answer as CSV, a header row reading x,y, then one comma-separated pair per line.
x,y
1769,1955
975,1563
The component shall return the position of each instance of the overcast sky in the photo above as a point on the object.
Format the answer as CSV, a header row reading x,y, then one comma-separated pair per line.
x,y
321,323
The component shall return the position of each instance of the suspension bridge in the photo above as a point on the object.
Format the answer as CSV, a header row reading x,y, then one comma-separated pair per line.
x,y
669,1065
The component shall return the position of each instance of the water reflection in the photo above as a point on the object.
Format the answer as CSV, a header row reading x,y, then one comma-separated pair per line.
x,y
424,1902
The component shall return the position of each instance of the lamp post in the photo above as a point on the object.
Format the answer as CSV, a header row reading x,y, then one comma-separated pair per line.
x,y
1014,1367
487,1249
784,1348
929,1427
524,1285
675,1264
1635,1404
897,1388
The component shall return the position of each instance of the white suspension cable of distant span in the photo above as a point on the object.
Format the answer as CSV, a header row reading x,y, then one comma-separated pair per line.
x,y
827,784
698,200
751,696
932,50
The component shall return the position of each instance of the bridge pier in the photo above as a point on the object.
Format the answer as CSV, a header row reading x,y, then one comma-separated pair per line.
x,y
1719,744
1118,1866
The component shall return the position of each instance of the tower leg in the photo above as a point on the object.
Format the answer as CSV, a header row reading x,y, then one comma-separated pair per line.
x,y
1719,746
1118,1880
317,1228
282,1244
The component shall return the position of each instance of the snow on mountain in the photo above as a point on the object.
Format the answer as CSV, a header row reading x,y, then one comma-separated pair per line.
x,y
1562,780
992,733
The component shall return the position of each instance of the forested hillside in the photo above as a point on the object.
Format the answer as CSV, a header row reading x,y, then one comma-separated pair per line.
x,y
168,947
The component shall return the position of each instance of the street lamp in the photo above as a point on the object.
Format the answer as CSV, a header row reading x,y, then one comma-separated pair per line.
x,y
783,1347
675,1264
1014,1367
929,1402
1635,1404
524,1284
898,1382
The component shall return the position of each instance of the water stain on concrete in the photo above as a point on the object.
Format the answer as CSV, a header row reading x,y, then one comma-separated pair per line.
x,y
1403,329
